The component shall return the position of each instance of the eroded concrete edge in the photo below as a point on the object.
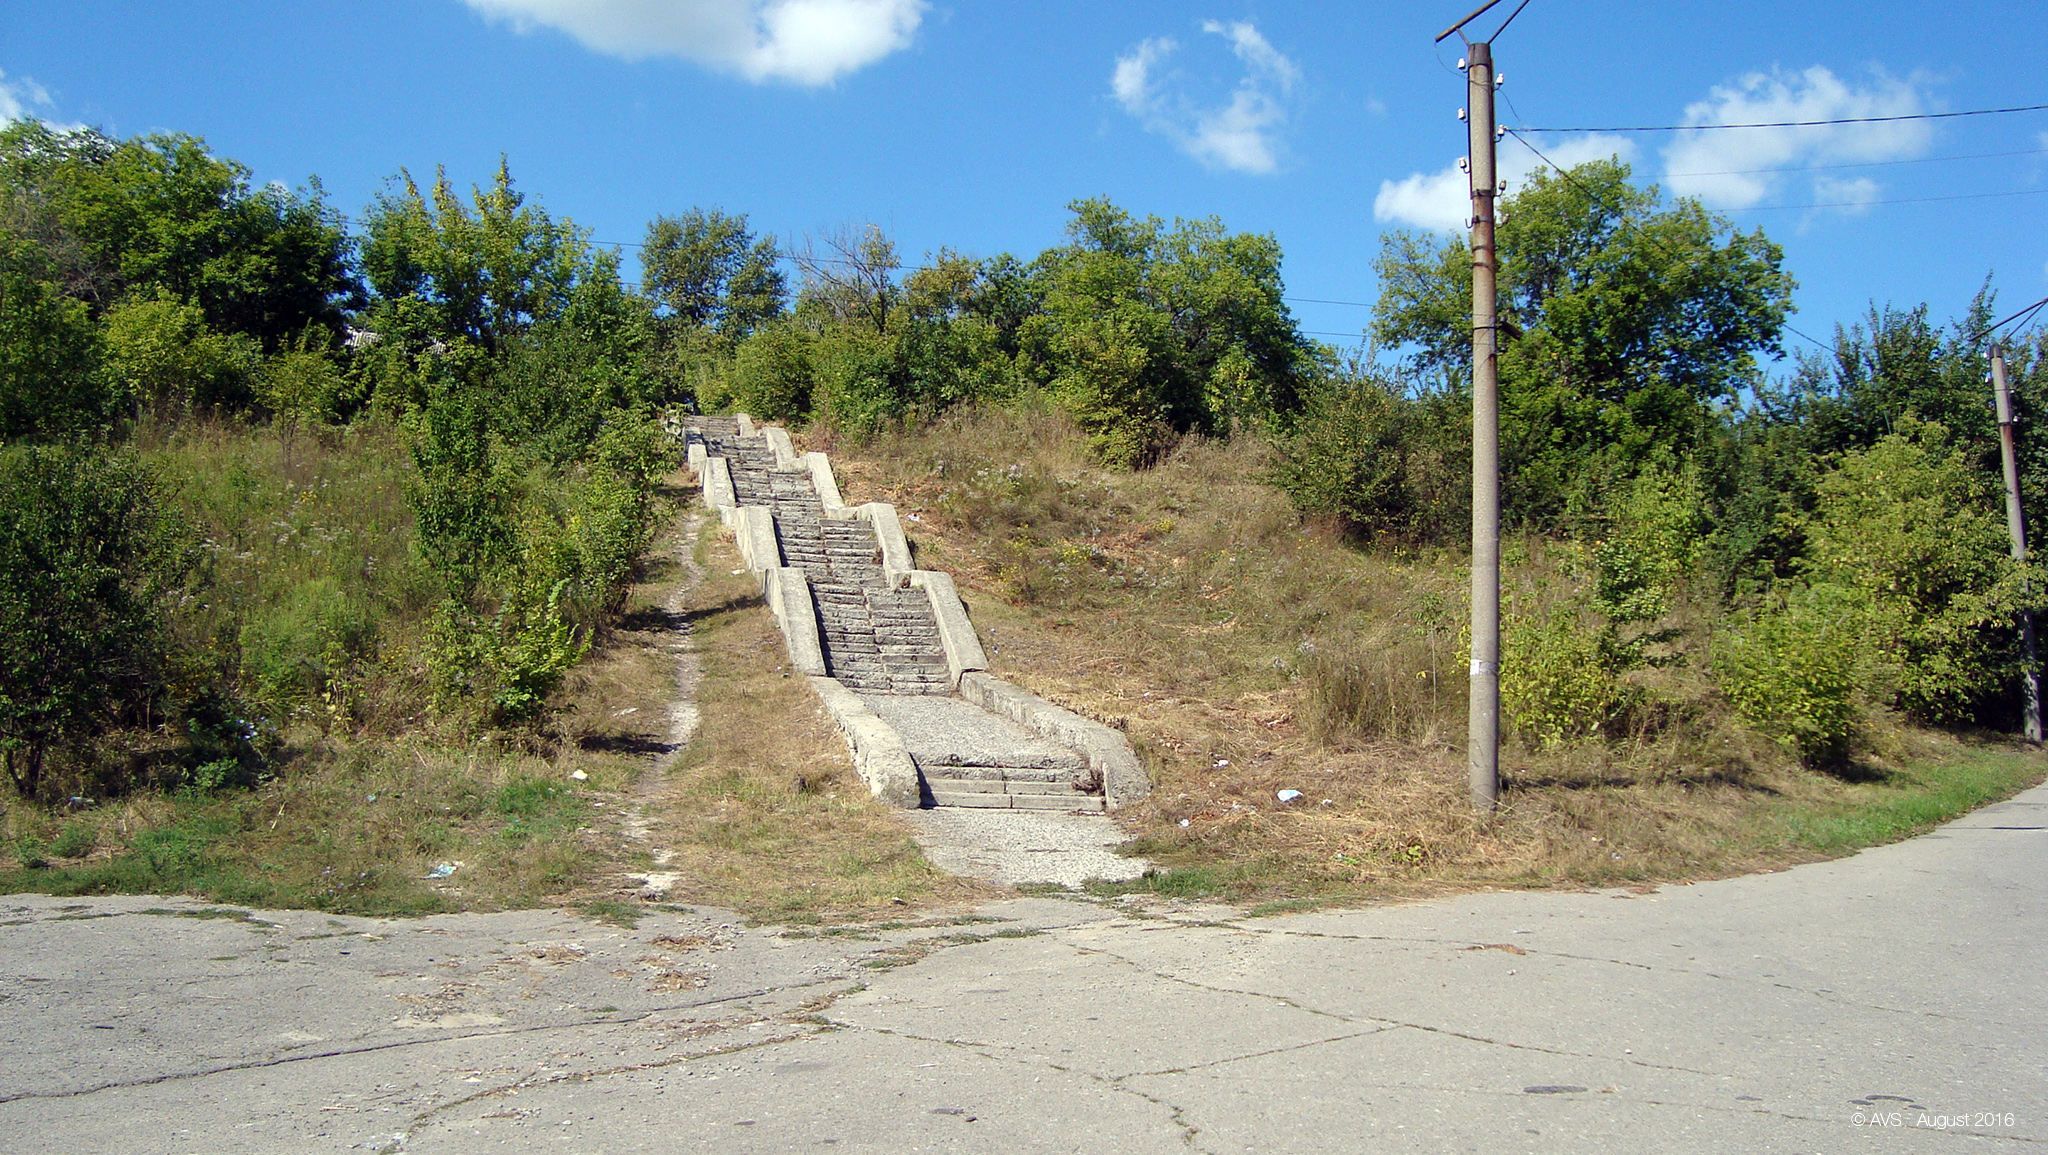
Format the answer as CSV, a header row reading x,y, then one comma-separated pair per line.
x,y
1109,753
879,754
957,638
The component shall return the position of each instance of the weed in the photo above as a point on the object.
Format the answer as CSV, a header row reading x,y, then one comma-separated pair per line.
x,y
620,914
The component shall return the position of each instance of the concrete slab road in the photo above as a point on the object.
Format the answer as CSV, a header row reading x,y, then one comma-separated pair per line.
x,y
1886,1002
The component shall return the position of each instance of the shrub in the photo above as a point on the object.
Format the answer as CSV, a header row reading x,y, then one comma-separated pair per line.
x,y
50,386
88,557
1792,668
1346,457
772,376
1557,679
1911,527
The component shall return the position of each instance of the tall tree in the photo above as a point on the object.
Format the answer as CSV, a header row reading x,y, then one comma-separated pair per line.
x,y
1625,322
162,214
478,272
706,269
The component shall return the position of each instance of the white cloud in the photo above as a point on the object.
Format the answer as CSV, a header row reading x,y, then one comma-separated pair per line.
x,y
1443,200
18,96
1241,134
1727,169
809,42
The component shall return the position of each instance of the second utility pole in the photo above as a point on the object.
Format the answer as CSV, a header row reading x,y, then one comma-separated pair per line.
x,y
2016,526
1483,733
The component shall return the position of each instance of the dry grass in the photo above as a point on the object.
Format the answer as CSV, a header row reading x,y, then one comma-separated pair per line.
x,y
765,813
1248,652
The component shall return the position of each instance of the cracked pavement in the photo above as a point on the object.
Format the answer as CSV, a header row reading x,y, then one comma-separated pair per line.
x,y
1887,1001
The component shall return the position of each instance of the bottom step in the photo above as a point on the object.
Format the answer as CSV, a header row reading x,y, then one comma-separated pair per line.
x,y
988,795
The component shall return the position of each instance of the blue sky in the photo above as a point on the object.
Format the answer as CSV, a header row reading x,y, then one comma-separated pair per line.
x,y
973,125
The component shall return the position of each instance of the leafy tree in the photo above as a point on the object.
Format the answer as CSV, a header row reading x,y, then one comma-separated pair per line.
x,y
88,554
706,269
478,273
160,214
1625,325
557,384
303,385
1148,331
50,387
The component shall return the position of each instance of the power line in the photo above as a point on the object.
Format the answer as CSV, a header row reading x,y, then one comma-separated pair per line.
x,y
1826,348
1800,123
1597,199
1997,325
2027,192
1855,164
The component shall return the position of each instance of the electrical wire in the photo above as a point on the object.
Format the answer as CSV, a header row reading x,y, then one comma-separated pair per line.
x,y
1856,164
1995,326
1596,198
1801,123
2025,192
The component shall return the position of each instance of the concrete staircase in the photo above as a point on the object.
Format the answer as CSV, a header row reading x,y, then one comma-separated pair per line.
x,y
889,647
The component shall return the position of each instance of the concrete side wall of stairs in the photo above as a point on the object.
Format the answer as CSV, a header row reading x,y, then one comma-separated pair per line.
x,y
889,648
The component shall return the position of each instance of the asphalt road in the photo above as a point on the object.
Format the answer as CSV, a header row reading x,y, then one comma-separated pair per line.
x,y
1886,1002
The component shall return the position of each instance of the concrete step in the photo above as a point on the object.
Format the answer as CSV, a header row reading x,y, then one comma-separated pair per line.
x,y
1065,787
985,801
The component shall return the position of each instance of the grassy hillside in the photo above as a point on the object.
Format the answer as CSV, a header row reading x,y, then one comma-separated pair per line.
x,y
1247,650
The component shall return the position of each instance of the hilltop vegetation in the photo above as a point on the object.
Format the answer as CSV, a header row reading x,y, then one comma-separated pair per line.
x,y
287,495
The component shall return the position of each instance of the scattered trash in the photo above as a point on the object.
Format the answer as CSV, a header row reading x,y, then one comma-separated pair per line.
x,y
1288,795
579,776
444,869
370,798
1329,801
738,572
626,711
1184,822
1221,763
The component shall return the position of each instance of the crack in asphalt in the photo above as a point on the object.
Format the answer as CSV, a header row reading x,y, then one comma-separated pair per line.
x,y
397,1044
1002,1053
1821,994
1432,1029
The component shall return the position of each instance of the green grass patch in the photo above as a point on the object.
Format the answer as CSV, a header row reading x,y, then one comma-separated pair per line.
x,y
625,916
1912,800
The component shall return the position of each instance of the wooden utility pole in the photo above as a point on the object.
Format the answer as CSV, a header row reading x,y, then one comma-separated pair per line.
x,y
1483,727
2016,525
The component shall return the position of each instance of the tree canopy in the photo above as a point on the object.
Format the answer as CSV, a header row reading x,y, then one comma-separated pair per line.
x,y
1624,322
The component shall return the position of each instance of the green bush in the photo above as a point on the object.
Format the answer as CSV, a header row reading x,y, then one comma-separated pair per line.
x,y
1911,527
1346,456
1557,679
89,557
51,386
773,376
1792,668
